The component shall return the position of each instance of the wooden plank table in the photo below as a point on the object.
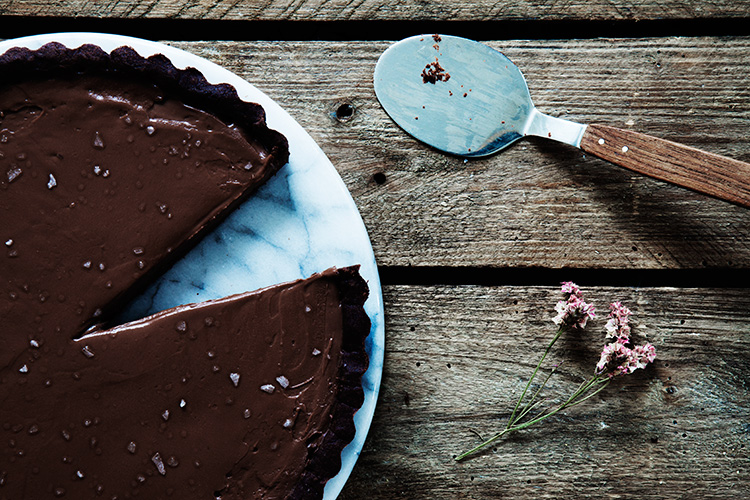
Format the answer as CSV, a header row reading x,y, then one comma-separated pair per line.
x,y
471,253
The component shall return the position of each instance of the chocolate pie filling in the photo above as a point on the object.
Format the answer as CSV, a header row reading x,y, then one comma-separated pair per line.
x,y
105,176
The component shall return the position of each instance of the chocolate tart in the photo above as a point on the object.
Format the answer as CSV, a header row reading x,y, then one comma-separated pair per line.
x,y
111,166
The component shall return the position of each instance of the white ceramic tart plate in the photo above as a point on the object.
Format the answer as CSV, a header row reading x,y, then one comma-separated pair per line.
x,y
301,222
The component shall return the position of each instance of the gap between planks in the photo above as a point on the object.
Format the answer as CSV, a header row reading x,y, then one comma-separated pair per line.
x,y
639,278
182,29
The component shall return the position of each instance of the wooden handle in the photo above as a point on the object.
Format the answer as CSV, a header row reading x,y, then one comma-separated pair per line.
x,y
669,161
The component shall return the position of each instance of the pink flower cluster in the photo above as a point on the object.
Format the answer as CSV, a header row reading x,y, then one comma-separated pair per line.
x,y
574,311
617,357
617,326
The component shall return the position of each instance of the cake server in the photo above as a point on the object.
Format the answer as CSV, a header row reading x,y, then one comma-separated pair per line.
x,y
465,98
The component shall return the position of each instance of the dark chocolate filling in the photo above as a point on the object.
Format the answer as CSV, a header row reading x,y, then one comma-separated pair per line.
x,y
110,166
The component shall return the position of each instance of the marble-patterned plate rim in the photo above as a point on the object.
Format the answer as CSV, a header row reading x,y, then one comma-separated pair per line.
x,y
280,120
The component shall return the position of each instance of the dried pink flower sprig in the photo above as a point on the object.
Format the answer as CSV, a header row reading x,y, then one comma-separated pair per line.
x,y
573,311
617,358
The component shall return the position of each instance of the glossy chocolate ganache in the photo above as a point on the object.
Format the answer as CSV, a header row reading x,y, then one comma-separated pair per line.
x,y
110,166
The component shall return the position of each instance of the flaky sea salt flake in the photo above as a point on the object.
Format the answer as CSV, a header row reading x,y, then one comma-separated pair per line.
x,y
159,463
267,388
283,381
14,173
98,141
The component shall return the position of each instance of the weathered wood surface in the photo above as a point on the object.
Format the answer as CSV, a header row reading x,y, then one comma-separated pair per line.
x,y
478,10
538,203
458,356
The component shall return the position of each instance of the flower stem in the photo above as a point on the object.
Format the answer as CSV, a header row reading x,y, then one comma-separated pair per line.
x,y
512,419
532,402
479,447
515,416
579,395
571,401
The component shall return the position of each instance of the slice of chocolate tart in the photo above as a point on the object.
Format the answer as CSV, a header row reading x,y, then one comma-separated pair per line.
x,y
251,396
111,166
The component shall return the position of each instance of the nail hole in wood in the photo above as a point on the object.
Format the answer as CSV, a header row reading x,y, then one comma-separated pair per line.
x,y
379,178
344,112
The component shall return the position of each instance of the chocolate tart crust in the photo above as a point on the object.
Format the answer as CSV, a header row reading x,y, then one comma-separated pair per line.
x,y
324,461
55,60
